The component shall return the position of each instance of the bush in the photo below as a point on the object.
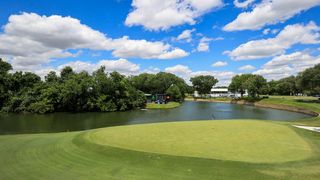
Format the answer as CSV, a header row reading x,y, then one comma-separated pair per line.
x,y
41,107
174,93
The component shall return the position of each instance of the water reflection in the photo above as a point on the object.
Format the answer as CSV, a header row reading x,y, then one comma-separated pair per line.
x,y
59,122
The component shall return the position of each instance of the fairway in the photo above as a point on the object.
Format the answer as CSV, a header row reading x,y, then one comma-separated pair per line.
x,y
245,140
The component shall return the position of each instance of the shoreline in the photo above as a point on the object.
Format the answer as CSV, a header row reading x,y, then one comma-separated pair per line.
x,y
261,105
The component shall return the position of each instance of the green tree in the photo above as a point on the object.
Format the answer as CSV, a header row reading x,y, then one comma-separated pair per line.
x,y
51,77
308,81
237,83
174,93
4,82
158,83
203,84
255,85
66,72
286,86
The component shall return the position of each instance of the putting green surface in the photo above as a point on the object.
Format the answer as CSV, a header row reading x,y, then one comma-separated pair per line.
x,y
142,154
249,141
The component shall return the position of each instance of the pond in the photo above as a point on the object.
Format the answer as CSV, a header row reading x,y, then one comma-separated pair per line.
x,y
60,122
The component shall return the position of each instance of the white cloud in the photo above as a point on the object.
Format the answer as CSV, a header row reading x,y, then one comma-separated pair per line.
x,y
122,66
186,35
242,4
287,65
127,48
163,14
246,68
151,70
203,45
266,31
219,64
186,73
33,40
269,12
180,70
275,31
290,35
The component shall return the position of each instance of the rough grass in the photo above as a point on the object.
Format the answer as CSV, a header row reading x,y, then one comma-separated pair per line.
x,y
294,102
163,106
249,141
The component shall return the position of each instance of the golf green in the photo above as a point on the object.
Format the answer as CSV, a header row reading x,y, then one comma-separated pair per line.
x,y
186,150
245,140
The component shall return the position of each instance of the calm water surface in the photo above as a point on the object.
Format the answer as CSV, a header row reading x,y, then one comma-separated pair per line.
x,y
59,122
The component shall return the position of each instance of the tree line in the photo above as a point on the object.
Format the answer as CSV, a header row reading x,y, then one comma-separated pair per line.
x,y
82,92
305,83
106,92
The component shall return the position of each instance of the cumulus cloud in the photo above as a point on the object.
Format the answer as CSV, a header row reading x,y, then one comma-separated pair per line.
x,y
287,65
269,12
163,14
180,70
186,35
127,48
203,45
186,73
219,64
290,35
246,68
242,4
151,70
121,65
29,39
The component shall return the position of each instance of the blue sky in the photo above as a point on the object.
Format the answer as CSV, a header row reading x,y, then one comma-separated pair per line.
x,y
273,38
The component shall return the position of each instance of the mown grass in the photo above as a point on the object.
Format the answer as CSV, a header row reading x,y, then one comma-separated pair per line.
x,y
247,141
163,106
86,155
295,101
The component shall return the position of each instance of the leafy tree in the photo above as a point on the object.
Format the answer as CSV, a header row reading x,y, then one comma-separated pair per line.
x,y
174,93
66,72
144,82
272,87
286,86
254,84
309,80
203,84
4,82
158,83
4,67
51,77
237,83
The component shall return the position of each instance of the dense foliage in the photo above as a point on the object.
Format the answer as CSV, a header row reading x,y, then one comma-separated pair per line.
x,y
161,83
75,92
309,80
203,84
100,91
254,84
305,83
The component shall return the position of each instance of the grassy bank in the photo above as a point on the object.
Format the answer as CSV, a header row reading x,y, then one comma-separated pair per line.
x,y
278,102
297,102
185,150
163,106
